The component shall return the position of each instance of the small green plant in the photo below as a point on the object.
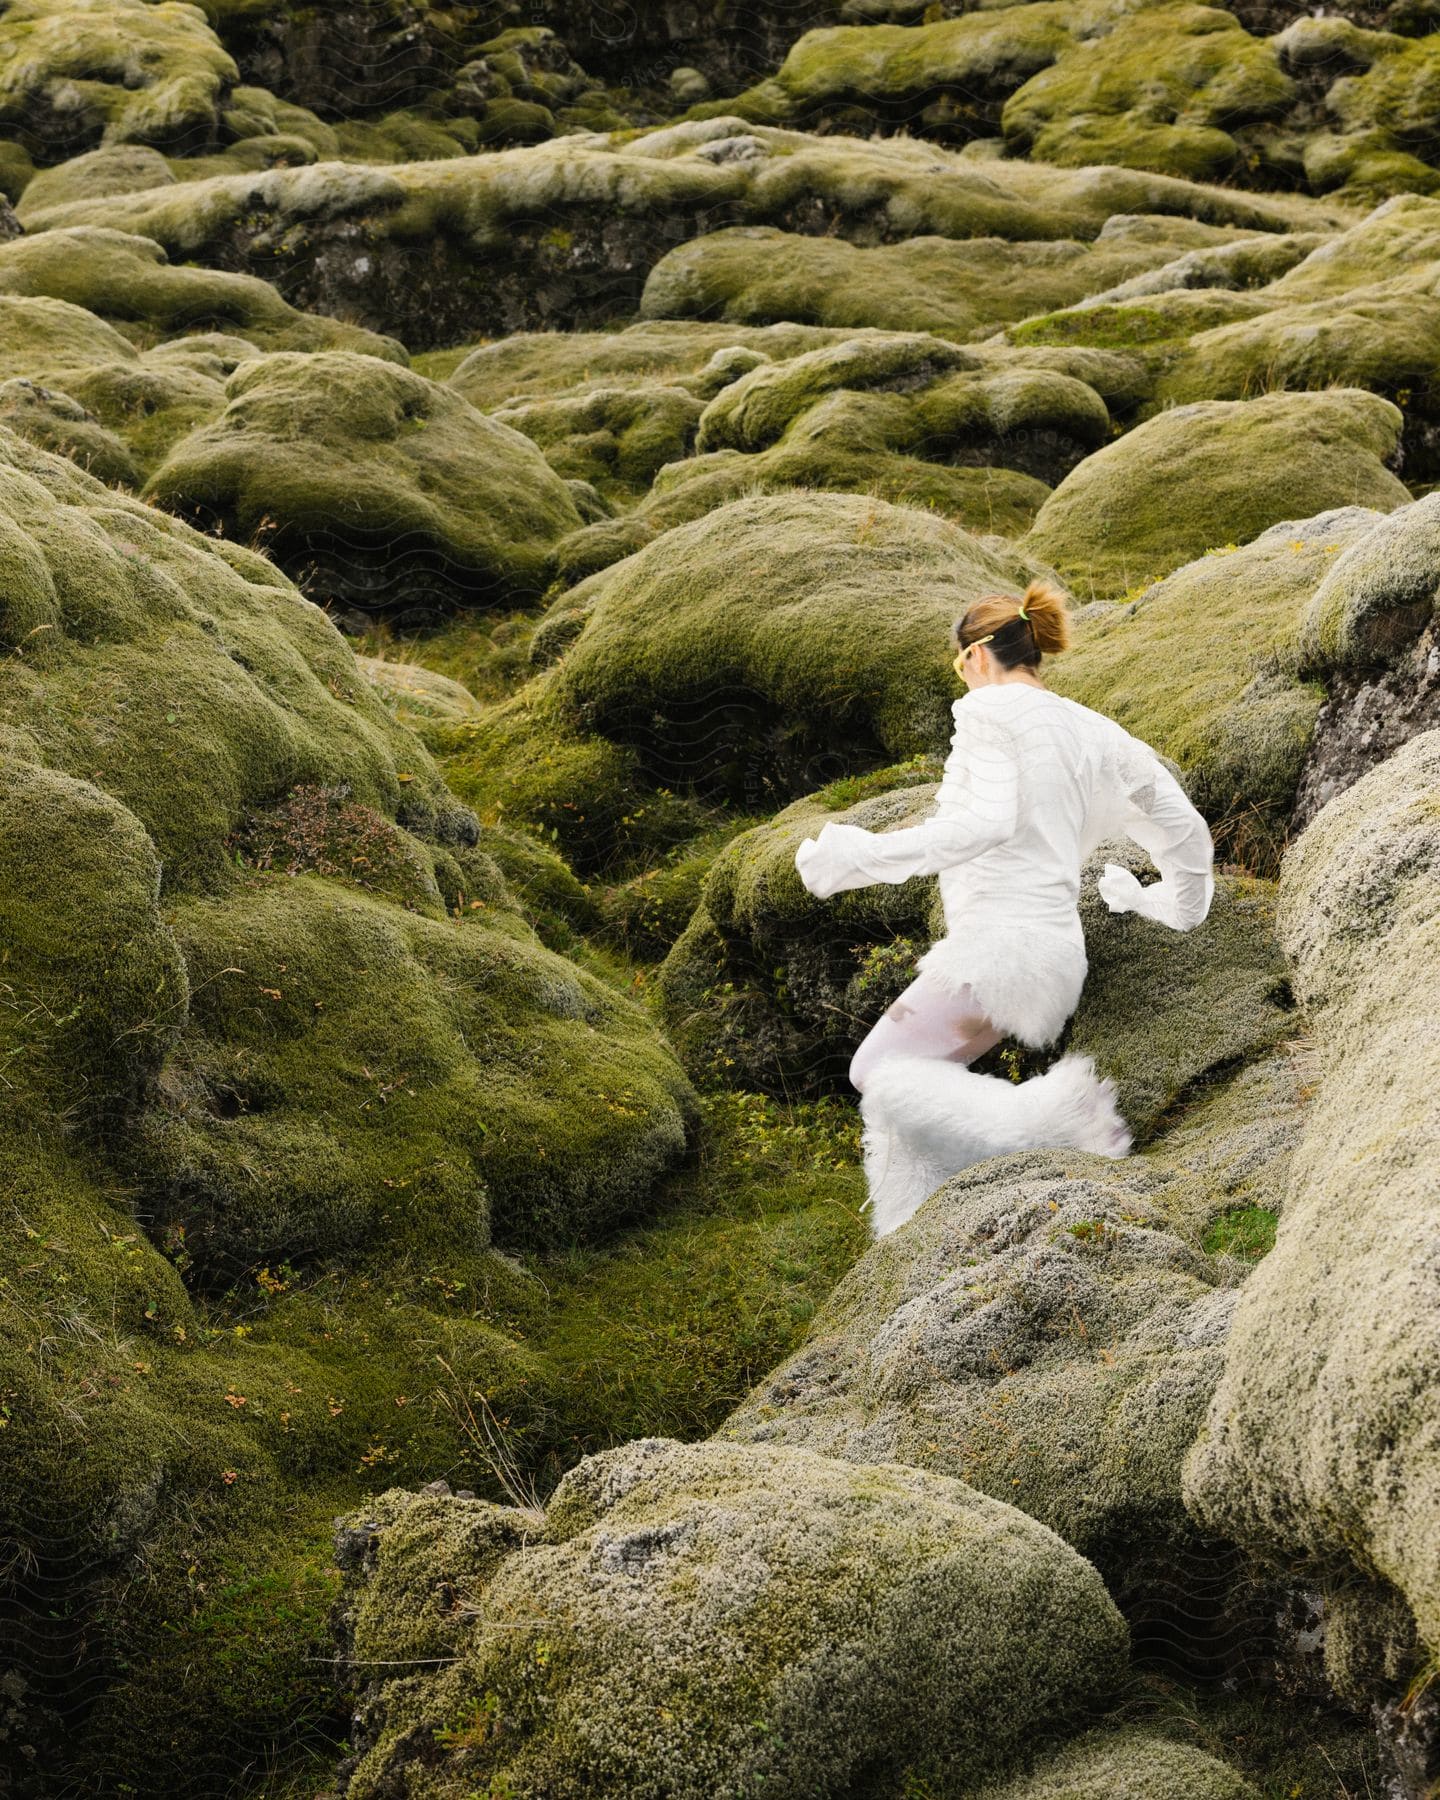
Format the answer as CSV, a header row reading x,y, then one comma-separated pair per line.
x,y
1244,1231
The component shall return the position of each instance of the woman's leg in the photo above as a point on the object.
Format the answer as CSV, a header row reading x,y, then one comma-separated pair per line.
x,y
928,1019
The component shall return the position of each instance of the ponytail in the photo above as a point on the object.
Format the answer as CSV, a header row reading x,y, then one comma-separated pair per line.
x,y
1020,630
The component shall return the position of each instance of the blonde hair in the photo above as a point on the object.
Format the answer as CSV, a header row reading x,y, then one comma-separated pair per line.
x,y
1021,630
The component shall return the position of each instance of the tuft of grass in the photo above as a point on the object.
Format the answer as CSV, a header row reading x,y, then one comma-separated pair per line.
x,y
1244,1231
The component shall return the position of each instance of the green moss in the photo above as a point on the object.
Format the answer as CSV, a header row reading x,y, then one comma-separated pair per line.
x,y
118,169
1169,89
528,763
1287,1458
724,607
1214,472
337,460
129,282
1130,1764
223,684
528,366
137,74
757,274
56,422
614,438
742,1553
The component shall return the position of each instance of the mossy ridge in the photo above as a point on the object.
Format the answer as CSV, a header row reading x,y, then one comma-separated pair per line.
x,y
365,479
137,73
675,182
961,288
528,366
350,1071
1357,916
1179,88
234,688
751,576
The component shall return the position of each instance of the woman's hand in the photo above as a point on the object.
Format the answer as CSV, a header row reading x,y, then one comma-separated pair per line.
x,y
1119,889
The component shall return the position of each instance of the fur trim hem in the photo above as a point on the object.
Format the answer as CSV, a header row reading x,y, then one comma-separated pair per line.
x,y
926,1119
1028,981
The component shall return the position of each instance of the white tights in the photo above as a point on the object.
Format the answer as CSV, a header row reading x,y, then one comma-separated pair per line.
x,y
928,1019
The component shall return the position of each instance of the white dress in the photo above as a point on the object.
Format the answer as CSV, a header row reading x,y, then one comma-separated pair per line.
x,y
1032,784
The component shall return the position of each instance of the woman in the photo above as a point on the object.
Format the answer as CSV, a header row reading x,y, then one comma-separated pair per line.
x,y
1032,784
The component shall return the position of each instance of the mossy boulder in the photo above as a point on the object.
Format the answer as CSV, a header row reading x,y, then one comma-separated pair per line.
x,y
44,339
841,1616
758,274
130,282
1049,1329
94,985
55,422
912,395
226,688
1170,88
615,438
779,636
109,71
117,169
1330,1372
379,488
1214,473
528,366
1132,1763
353,1073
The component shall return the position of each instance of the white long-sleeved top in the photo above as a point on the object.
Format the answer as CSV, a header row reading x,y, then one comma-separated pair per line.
x,y
1032,784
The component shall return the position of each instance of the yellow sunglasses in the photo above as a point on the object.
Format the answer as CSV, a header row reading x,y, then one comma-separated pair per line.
x,y
959,663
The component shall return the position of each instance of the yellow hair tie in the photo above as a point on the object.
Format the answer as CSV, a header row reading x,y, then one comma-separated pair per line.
x,y
1023,614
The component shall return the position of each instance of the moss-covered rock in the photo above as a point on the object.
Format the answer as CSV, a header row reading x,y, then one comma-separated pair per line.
x,y
44,338
840,1615
759,274
109,71
531,365
909,394
1330,1373
54,421
221,686
377,487
1048,1329
1213,473
1171,88
1129,1764
129,282
712,622
117,169
565,232
352,1073
616,439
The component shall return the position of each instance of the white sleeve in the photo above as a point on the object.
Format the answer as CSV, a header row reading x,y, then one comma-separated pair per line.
x,y
976,809
1157,815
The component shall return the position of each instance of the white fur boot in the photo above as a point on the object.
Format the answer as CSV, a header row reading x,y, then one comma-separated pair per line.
x,y
926,1119
896,1178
